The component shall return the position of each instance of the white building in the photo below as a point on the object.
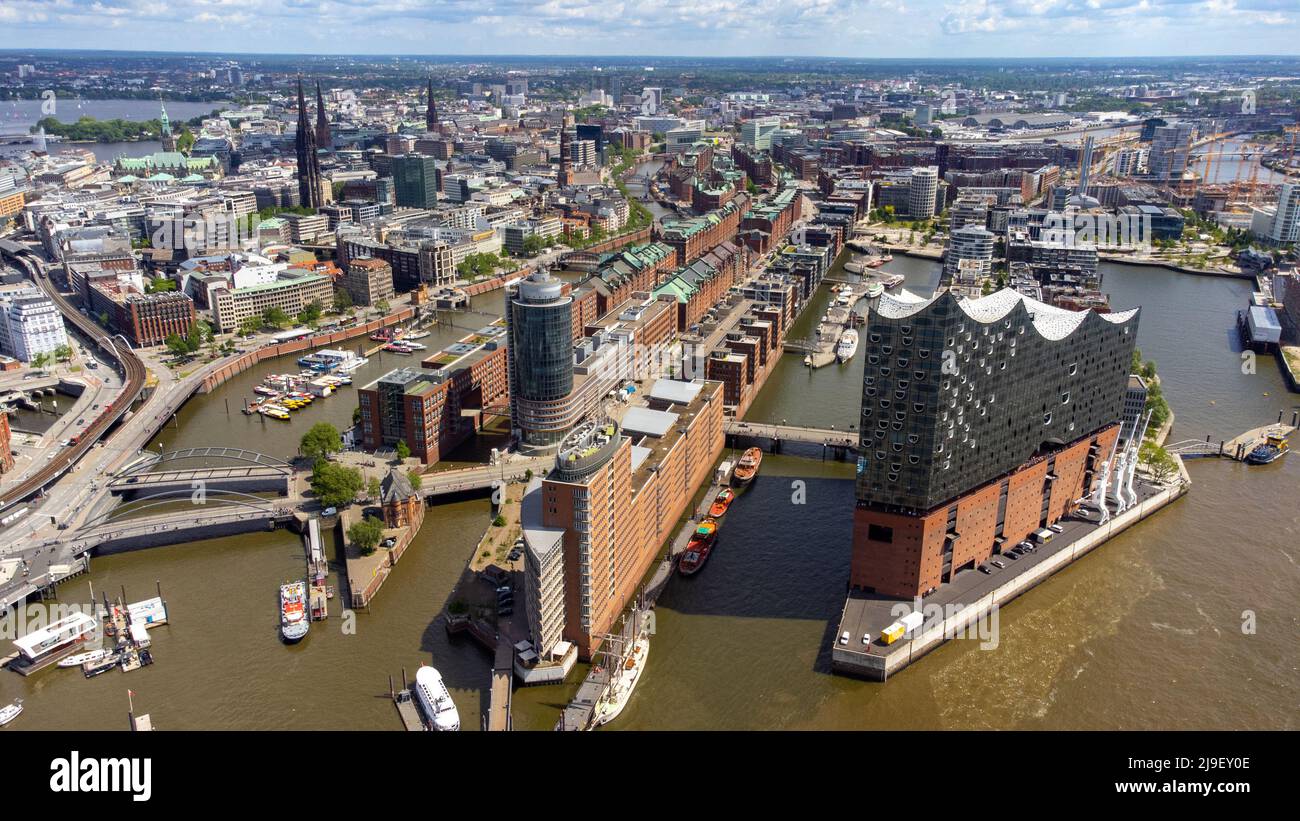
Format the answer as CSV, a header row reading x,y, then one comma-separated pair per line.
x,y
922,192
30,325
971,242
1280,223
757,133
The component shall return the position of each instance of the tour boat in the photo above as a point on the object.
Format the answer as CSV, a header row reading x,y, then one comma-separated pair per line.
x,y
398,348
435,701
748,466
293,611
84,658
848,345
719,507
875,289
10,712
624,681
893,280
1273,449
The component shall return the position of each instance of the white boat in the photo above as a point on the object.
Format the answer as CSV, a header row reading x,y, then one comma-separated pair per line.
x,y
625,679
844,298
416,335
293,611
807,360
893,280
875,289
439,710
78,659
352,364
9,713
847,346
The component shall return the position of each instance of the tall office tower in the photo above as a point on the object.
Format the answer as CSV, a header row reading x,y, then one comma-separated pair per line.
x,y
323,138
1284,225
1171,148
540,323
565,176
415,181
309,178
431,112
969,242
983,420
922,191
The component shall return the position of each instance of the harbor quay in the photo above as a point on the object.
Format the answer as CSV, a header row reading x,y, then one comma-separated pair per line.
x,y
968,606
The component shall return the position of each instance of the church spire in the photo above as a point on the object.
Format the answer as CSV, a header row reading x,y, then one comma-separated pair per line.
x,y
323,138
309,192
431,112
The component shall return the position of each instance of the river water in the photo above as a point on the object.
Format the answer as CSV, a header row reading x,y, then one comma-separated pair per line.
x,y
1147,632
18,116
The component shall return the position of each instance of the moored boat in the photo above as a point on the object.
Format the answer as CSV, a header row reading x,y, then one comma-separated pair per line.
x,y
293,611
79,659
875,289
747,468
847,346
1274,448
625,679
723,501
440,711
698,548
9,712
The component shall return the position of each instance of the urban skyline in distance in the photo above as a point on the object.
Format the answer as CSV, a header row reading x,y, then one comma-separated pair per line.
x,y
724,28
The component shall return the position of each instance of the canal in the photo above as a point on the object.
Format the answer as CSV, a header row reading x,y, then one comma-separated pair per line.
x,y
1147,632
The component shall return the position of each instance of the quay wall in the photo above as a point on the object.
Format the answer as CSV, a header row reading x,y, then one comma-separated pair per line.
x,y
237,366
879,667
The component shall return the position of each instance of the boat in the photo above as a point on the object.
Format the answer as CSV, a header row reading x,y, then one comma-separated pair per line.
x,y
435,701
1274,448
748,467
875,289
807,360
10,712
275,412
293,611
893,280
94,668
398,348
416,335
876,262
263,390
698,548
723,501
847,346
844,298
351,365
84,658
626,677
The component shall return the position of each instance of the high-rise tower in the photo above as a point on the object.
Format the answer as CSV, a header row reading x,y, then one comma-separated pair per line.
x,y
308,163
566,174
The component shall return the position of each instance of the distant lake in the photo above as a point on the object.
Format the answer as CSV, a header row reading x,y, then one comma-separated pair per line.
x,y
17,116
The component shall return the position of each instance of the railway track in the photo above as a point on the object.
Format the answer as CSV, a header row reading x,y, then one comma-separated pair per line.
x,y
129,365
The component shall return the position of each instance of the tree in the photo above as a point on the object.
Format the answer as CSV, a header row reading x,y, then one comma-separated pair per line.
x,y
275,317
342,300
414,476
403,449
382,306
335,485
373,487
177,345
250,325
1158,462
63,353
160,284
322,440
366,534
40,360
199,333
310,313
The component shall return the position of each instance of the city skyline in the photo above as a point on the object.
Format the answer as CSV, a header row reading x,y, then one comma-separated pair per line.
x,y
672,28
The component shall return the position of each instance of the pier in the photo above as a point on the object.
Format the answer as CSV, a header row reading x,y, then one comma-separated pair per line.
x,y
1238,447
404,701
820,348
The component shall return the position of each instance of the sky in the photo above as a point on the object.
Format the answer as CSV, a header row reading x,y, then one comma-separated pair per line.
x,y
829,28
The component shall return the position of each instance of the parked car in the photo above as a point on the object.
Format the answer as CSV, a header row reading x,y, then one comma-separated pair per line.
x,y
329,511
844,637
985,569
999,565
1056,528
390,542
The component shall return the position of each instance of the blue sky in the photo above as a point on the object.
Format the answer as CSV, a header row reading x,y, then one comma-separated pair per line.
x,y
839,28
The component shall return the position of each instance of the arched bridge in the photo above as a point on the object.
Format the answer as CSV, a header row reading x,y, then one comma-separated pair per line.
x,y
236,469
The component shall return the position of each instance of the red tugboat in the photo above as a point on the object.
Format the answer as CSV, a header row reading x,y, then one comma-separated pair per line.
x,y
699,547
719,507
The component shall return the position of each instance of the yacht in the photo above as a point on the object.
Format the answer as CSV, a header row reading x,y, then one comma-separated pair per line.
x,y
9,713
439,710
847,346
78,659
